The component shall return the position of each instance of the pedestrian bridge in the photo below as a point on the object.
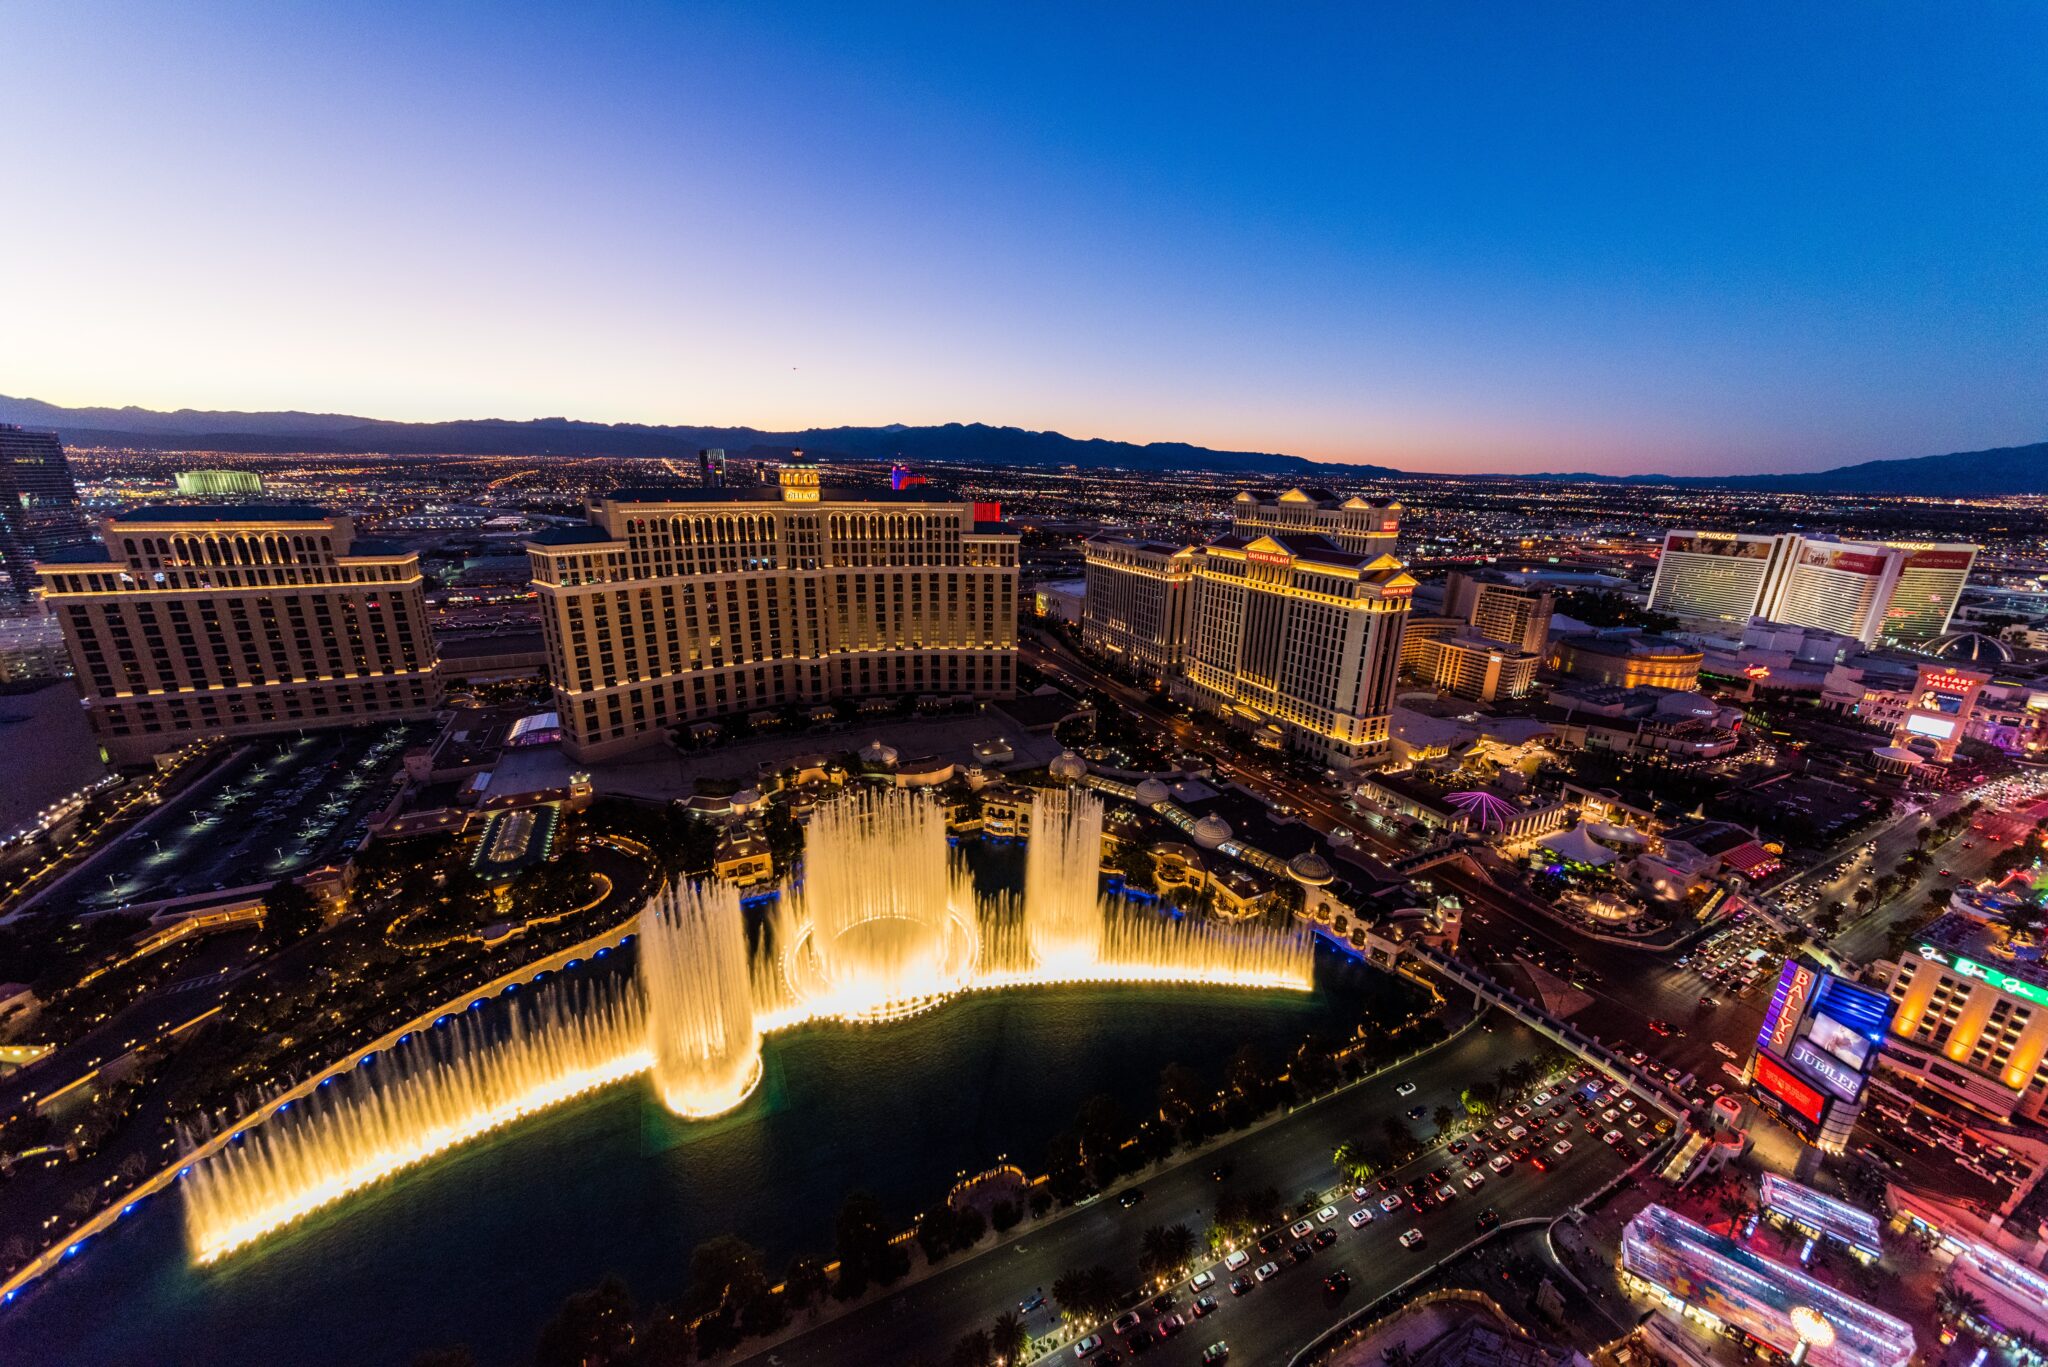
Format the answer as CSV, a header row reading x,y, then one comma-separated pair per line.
x,y
1653,1088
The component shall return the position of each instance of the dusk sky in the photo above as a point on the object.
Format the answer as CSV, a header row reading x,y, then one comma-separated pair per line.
x,y
1455,237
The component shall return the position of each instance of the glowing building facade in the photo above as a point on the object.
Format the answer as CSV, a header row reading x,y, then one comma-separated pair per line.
x,y
1628,659
1473,667
1821,1039
195,619
1903,591
1972,1018
1354,524
1137,600
39,510
683,604
1709,1277
1295,634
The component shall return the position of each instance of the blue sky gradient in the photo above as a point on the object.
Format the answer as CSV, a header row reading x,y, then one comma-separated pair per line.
x,y
1484,237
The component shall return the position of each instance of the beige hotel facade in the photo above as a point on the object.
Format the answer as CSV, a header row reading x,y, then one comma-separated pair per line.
x,y
192,620
679,605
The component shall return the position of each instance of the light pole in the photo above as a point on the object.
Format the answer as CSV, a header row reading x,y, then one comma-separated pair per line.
x,y
1813,1329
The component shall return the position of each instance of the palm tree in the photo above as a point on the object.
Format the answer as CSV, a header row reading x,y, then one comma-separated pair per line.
x,y
1954,1303
1152,1250
1179,1246
1348,1159
1104,1291
1735,1206
1070,1289
1006,1338
2025,921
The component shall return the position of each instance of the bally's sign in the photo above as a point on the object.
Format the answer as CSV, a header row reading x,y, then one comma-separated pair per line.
x,y
1788,1004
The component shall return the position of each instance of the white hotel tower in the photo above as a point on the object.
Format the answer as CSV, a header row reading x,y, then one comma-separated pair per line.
x,y
682,604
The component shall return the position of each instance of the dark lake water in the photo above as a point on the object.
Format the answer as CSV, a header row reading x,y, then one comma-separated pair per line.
x,y
481,1246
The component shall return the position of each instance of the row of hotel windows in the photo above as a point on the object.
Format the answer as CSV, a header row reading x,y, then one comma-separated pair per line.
x,y
281,576
206,712
370,640
2003,1027
690,697
262,549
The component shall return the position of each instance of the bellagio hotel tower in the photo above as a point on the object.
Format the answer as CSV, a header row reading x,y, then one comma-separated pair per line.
x,y
683,604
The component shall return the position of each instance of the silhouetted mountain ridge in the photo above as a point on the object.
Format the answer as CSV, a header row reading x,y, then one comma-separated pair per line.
x,y
2006,470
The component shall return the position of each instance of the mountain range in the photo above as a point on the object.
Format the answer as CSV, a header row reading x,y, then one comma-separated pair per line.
x,y
2006,470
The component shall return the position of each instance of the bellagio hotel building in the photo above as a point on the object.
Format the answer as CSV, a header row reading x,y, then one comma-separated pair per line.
x,y
191,620
679,605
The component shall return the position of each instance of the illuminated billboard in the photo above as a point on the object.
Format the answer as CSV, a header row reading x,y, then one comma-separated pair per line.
x,y
1777,1082
1939,728
1721,544
1840,1041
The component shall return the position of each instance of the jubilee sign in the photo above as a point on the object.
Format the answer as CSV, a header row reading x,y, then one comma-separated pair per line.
x,y
1829,1071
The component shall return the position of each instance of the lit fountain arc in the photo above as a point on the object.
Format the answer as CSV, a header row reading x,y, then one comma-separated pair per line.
x,y
884,923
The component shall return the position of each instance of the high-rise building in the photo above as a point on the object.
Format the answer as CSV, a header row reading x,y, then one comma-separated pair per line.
x,y
1137,600
1473,667
1972,1018
711,466
39,509
1499,609
1715,576
196,619
1929,585
680,605
1353,524
1893,591
1297,635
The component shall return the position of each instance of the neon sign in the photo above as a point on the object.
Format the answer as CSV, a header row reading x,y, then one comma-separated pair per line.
x,y
1844,1081
1970,968
1951,683
1280,558
1788,1004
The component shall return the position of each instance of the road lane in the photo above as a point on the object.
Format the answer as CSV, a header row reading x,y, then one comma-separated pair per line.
x,y
1291,1155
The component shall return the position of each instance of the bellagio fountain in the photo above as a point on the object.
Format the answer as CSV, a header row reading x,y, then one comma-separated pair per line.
x,y
882,922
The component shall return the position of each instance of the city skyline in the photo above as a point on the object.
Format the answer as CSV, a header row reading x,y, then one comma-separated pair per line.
x,y
1491,244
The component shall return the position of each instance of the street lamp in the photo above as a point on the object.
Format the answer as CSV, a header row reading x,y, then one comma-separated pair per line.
x,y
1813,1329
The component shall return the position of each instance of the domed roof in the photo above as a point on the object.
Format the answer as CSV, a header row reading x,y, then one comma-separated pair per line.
x,y
1343,838
874,752
1211,831
1068,767
1309,867
1970,647
1152,792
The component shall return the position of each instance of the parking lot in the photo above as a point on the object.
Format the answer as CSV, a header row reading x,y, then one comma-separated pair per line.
x,y
280,806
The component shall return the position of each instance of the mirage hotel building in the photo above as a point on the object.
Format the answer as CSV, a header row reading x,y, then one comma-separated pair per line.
x,y
685,604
